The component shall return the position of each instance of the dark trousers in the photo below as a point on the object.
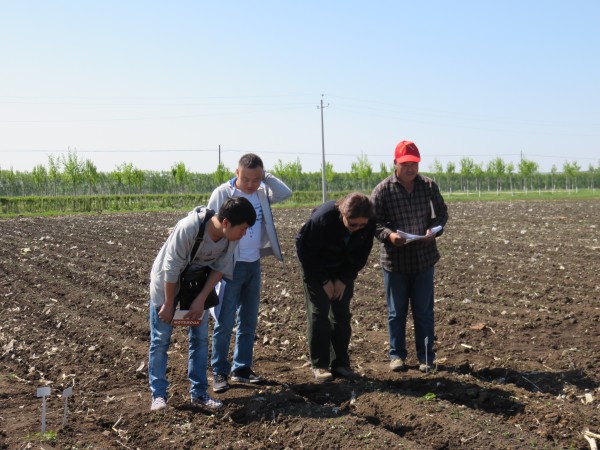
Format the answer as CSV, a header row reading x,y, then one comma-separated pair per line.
x,y
329,327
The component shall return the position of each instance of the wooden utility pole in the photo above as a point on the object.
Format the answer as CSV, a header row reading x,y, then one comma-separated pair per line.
x,y
324,183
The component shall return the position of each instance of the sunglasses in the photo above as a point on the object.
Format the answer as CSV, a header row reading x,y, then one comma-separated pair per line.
x,y
355,224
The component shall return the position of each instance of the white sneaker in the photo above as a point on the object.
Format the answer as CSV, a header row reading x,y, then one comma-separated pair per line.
x,y
158,403
397,365
322,375
424,367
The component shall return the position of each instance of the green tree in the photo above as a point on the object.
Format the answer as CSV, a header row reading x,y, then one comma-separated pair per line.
x,y
466,170
279,170
478,175
527,169
126,170
137,177
498,167
180,175
510,170
362,169
291,173
553,171
90,174
329,174
571,170
54,171
294,171
450,169
384,172
437,169
73,169
222,174
12,179
592,171
117,176
40,178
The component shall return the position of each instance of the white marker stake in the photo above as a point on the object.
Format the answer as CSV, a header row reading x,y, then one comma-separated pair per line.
x,y
426,360
43,392
66,394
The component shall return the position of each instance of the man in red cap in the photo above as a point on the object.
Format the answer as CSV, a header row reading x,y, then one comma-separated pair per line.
x,y
408,202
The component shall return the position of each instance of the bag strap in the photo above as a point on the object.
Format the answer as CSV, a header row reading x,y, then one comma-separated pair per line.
x,y
200,236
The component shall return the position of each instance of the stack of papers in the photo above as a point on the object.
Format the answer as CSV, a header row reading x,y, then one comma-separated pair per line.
x,y
415,237
179,321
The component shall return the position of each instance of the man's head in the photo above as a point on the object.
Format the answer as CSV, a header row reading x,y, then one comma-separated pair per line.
x,y
236,216
249,173
406,151
406,161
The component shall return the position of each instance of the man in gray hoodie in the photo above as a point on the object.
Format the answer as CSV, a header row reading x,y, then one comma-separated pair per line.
x,y
242,291
222,231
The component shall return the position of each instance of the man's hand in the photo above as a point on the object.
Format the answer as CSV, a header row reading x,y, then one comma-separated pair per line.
x,y
397,240
166,313
338,290
430,236
329,289
196,308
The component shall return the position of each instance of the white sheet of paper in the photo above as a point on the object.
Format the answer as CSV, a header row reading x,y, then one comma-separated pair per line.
x,y
179,321
415,237
220,290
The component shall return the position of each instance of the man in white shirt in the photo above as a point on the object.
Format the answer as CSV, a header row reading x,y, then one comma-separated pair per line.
x,y
242,291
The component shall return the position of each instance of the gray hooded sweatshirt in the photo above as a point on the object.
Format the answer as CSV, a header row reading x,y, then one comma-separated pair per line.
x,y
175,254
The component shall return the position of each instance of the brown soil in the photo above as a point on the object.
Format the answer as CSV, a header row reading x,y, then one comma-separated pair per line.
x,y
517,324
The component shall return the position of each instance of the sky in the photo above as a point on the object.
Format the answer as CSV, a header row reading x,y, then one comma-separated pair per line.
x,y
154,83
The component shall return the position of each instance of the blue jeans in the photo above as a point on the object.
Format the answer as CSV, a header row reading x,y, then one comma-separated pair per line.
x,y
416,289
242,296
160,339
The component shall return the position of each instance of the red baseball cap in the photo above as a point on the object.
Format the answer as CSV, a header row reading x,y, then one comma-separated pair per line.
x,y
406,151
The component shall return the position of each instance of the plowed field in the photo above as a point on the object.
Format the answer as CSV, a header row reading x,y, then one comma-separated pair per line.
x,y
517,325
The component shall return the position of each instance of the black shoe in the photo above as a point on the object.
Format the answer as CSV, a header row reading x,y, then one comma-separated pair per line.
x,y
345,372
245,375
220,383
207,402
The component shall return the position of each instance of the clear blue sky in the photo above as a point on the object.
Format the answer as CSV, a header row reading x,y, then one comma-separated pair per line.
x,y
155,83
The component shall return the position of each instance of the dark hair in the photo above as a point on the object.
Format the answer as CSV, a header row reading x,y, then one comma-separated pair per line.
x,y
237,210
355,205
250,161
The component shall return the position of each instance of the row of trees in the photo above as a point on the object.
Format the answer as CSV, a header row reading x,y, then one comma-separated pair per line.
x,y
67,174
70,175
477,176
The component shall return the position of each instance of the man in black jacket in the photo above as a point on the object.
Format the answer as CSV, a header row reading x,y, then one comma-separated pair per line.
x,y
333,246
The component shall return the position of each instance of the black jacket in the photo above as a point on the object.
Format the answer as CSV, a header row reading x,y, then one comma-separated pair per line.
x,y
323,251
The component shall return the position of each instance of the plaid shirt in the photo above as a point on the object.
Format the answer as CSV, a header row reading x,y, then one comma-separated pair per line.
x,y
396,209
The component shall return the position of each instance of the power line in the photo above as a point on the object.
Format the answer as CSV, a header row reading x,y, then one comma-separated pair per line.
x,y
279,152
189,116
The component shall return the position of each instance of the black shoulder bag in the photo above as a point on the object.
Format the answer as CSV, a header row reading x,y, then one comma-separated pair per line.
x,y
191,283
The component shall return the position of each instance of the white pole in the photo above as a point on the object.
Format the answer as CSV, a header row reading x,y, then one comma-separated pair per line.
x,y
426,360
66,394
43,392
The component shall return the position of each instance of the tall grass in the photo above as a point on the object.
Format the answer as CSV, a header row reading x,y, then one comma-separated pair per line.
x,y
99,203
11,206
